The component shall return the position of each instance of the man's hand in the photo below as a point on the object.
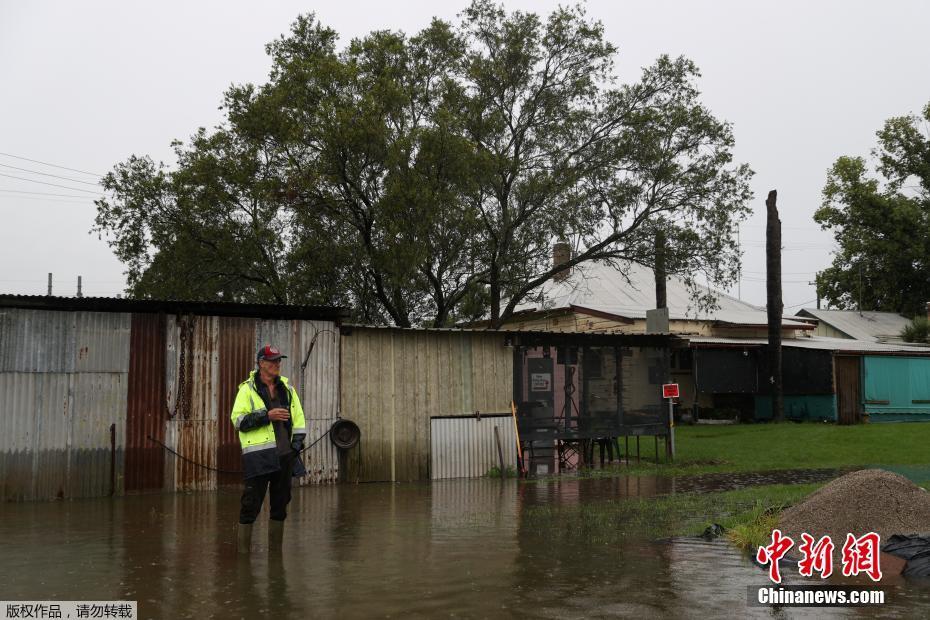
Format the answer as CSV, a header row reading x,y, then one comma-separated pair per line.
x,y
279,414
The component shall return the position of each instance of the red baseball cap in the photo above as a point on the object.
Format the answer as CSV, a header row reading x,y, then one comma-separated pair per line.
x,y
270,353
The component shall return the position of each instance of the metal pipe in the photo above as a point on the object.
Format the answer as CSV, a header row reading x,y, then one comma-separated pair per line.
x,y
112,460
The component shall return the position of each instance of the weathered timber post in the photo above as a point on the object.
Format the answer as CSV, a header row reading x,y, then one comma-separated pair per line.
x,y
774,304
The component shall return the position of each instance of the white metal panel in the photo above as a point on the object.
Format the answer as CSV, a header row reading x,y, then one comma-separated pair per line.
x,y
102,341
467,448
318,389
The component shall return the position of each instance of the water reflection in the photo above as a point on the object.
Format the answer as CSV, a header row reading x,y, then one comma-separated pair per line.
x,y
450,548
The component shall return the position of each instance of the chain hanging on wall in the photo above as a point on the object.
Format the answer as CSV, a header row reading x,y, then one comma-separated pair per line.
x,y
185,363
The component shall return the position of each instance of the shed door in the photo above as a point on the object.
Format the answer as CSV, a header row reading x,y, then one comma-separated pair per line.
x,y
848,389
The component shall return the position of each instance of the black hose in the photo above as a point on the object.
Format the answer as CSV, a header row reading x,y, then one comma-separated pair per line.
x,y
222,471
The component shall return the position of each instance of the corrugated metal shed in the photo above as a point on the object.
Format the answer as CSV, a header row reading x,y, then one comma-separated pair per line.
x,y
78,373
393,381
868,326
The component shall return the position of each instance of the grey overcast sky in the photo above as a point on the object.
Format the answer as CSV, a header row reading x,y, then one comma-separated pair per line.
x,y
86,84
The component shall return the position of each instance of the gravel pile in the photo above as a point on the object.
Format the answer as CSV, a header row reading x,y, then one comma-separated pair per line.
x,y
869,500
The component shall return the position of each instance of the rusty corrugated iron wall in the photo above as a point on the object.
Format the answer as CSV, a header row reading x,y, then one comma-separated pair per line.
x,y
236,359
219,353
146,410
192,401
63,377
392,381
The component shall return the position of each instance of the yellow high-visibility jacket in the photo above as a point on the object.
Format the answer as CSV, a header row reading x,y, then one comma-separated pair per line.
x,y
256,432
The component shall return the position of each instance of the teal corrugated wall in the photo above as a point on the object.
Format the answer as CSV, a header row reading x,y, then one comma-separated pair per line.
x,y
896,388
815,407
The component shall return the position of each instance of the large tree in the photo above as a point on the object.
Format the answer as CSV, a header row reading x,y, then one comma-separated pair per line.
x,y
881,222
423,179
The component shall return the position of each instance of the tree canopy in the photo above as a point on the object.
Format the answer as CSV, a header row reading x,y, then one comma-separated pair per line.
x,y
423,179
881,221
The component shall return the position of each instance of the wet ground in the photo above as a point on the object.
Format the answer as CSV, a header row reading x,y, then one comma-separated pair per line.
x,y
453,548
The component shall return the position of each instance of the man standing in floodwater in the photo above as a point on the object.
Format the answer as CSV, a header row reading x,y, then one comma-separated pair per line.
x,y
271,425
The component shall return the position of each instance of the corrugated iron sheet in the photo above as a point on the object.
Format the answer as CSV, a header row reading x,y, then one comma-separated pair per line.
x,y
394,381
236,358
318,389
192,432
17,432
36,341
467,447
50,435
195,440
98,400
146,404
102,342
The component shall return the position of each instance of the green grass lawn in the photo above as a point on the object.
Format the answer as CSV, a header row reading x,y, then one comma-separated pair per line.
x,y
762,447
749,514
682,514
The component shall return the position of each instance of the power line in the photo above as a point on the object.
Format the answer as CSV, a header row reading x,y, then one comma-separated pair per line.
x,y
71,201
48,174
45,163
19,191
74,189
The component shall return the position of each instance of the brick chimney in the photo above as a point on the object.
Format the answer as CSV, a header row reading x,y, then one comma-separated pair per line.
x,y
561,254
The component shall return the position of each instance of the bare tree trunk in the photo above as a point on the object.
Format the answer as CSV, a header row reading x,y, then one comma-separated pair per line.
x,y
774,305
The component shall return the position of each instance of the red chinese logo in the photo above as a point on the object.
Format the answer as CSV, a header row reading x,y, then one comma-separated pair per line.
x,y
861,555
774,552
817,556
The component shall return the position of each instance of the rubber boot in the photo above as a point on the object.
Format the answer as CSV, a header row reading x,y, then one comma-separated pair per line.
x,y
244,543
275,535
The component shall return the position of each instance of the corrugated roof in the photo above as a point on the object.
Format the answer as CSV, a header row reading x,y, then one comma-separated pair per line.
x,y
210,308
820,343
868,326
620,338
603,288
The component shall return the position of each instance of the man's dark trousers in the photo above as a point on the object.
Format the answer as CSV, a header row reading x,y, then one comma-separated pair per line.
x,y
254,493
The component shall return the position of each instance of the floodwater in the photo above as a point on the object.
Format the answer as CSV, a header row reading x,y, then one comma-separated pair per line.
x,y
454,548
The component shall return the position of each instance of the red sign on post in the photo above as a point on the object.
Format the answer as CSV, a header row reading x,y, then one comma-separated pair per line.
x,y
670,390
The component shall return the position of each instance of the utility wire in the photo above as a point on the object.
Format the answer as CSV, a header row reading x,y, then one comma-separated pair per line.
x,y
48,174
68,201
19,191
74,189
45,163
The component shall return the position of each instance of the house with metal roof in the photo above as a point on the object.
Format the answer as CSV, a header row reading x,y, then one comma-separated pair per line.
x,y
598,296
837,365
866,325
